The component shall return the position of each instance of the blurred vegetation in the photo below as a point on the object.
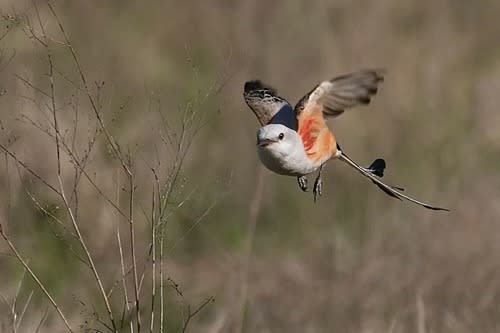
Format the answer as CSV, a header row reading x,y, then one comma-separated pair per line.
x,y
356,261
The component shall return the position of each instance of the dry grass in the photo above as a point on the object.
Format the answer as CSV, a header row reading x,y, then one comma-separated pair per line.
x,y
356,261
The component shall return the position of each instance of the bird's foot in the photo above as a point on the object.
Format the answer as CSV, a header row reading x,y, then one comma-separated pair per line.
x,y
302,180
317,187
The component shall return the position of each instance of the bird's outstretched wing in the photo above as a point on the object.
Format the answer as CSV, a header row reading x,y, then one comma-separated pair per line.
x,y
340,93
331,98
392,191
267,105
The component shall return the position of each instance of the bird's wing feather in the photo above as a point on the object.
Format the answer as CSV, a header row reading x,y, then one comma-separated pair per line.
x,y
342,92
267,105
331,98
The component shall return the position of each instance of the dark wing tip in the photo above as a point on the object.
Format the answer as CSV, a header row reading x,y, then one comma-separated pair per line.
x,y
254,85
378,74
364,100
367,75
370,84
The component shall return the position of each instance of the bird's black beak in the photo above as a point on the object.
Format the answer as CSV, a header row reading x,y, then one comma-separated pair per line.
x,y
264,142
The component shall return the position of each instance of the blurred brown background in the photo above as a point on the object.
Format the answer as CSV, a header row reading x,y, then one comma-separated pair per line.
x,y
356,261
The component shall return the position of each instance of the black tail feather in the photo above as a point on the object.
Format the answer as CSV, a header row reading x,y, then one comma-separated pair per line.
x,y
377,167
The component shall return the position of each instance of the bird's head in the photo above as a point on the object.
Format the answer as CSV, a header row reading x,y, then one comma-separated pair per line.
x,y
277,137
281,150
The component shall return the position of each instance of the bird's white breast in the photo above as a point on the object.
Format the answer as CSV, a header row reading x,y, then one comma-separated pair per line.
x,y
286,160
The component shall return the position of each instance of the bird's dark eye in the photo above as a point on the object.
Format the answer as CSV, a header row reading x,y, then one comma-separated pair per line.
x,y
281,136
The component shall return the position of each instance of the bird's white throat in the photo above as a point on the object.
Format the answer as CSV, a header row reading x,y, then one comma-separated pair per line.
x,y
280,149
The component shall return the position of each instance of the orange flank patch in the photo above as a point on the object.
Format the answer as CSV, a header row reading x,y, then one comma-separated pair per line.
x,y
308,133
319,143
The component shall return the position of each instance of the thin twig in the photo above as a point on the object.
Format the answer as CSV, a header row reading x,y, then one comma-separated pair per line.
x,y
122,263
88,255
45,211
195,223
12,311
191,315
31,85
35,278
153,262
61,186
17,320
162,287
132,245
76,162
42,320
253,214
8,187
95,108
23,312
27,168
52,87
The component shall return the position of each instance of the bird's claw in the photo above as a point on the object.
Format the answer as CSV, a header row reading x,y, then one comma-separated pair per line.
x,y
317,188
302,180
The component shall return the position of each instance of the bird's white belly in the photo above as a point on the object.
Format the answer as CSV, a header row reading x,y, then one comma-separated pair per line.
x,y
286,164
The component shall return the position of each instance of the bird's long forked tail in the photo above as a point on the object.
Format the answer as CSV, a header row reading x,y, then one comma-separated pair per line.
x,y
389,190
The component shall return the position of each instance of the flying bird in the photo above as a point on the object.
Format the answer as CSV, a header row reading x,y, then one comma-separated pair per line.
x,y
297,141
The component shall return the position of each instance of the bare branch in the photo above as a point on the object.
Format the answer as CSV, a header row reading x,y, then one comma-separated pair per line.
x,y
95,108
23,312
122,263
31,85
42,320
27,168
132,249
153,263
88,255
35,278
191,315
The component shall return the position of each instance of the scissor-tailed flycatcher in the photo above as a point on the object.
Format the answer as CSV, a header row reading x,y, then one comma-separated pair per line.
x,y
297,141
